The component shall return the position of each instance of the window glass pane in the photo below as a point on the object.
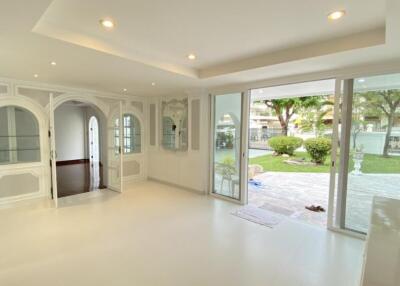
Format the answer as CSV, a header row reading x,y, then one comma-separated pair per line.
x,y
227,134
116,136
374,159
132,136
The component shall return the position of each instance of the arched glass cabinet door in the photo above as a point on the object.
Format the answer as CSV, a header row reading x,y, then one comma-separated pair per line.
x,y
19,136
132,134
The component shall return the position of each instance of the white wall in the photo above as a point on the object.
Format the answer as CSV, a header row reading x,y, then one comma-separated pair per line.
x,y
70,131
188,169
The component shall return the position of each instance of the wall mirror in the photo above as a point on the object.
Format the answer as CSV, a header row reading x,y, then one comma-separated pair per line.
x,y
174,115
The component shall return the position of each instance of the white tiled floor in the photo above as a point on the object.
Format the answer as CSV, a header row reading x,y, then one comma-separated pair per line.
x,y
159,235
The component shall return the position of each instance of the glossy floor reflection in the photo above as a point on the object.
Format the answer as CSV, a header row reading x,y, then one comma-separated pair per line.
x,y
78,178
153,234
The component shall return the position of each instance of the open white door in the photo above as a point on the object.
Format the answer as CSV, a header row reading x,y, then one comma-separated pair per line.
x,y
54,193
114,149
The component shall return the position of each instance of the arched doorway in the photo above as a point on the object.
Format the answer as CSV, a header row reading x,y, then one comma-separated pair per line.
x,y
78,147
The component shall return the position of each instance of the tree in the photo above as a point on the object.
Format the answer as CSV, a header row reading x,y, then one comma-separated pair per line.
x,y
312,119
285,108
387,101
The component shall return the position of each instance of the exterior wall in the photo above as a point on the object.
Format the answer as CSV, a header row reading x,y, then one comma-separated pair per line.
x,y
372,142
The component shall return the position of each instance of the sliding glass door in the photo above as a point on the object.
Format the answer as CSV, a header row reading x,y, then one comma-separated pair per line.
x,y
370,153
227,145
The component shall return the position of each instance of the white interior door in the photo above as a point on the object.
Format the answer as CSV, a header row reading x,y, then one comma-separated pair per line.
x,y
53,153
114,149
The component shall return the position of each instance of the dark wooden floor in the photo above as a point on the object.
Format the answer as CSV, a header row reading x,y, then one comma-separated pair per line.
x,y
78,178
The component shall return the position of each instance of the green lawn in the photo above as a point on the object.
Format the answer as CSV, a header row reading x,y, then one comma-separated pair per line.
x,y
371,164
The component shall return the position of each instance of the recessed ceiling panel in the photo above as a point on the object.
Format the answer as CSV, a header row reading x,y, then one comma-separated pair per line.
x,y
162,33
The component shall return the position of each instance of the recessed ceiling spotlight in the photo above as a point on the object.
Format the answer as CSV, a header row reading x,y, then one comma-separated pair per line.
x,y
361,80
191,57
36,75
107,23
125,90
153,83
53,63
336,15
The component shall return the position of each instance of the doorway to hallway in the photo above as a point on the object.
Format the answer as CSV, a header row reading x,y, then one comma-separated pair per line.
x,y
79,162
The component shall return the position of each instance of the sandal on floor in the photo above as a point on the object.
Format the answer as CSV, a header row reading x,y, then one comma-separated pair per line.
x,y
315,208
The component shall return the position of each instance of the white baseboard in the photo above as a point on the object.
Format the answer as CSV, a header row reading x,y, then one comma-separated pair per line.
x,y
177,186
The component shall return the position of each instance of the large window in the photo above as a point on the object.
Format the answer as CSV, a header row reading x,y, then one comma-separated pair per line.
x,y
131,134
372,151
19,136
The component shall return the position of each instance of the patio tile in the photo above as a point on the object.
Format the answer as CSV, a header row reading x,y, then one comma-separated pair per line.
x,y
288,193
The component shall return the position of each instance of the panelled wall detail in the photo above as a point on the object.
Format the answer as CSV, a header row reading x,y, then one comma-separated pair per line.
x,y
26,180
184,168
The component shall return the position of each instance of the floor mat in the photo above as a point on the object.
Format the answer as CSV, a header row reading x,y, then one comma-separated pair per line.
x,y
259,216
277,209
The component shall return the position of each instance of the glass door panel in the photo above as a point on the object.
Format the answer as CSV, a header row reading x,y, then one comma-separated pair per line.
x,y
115,154
227,128
374,147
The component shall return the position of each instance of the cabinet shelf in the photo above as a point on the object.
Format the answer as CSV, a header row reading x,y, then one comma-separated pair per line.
x,y
17,136
17,150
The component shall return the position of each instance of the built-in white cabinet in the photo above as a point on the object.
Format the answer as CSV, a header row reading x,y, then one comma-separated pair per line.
x,y
382,250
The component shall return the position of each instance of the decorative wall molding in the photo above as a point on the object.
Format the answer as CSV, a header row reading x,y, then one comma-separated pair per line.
x,y
102,101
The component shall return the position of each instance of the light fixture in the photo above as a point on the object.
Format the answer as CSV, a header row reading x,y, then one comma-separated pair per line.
x,y
36,75
336,15
153,83
191,57
125,90
53,63
107,23
361,80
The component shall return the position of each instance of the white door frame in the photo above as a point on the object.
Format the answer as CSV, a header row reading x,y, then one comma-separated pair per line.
x,y
243,149
53,153
115,166
94,136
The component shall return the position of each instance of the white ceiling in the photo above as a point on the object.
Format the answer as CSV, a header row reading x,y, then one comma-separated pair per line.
x,y
235,41
321,87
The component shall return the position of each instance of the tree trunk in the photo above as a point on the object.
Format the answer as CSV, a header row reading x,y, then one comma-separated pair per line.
x,y
282,121
388,132
284,130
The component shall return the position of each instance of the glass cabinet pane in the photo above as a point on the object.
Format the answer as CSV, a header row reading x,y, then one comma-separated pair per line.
x,y
19,136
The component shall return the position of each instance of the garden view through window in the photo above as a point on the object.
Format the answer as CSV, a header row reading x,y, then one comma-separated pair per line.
x,y
290,139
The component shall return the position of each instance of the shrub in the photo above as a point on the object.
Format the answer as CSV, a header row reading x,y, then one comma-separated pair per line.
x,y
285,144
318,148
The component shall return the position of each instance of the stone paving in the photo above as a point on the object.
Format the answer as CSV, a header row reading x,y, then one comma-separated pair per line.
x,y
288,193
